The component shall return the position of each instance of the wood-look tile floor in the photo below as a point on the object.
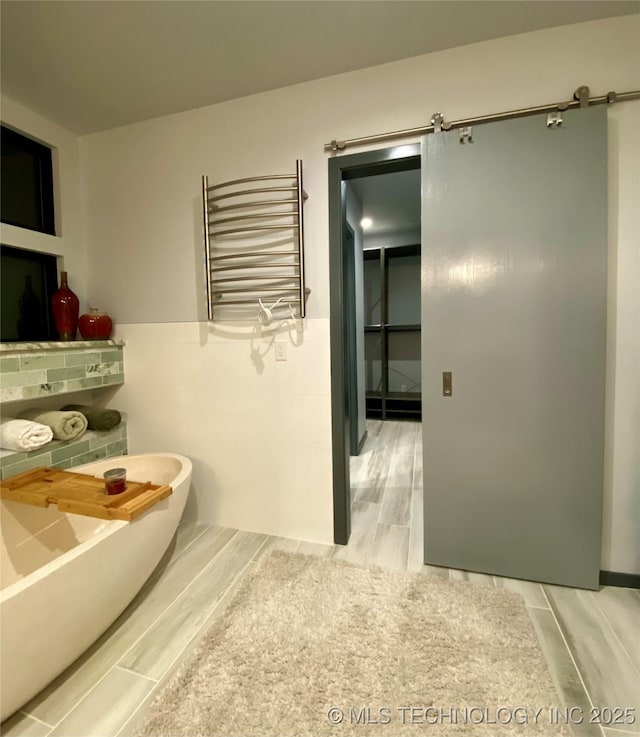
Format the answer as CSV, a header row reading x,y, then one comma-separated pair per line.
x,y
591,640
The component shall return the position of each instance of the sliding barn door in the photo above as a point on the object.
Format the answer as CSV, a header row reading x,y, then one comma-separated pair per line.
x,y
514,243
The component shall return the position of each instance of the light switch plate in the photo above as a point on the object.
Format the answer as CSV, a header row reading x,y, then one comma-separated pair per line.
x,y
281,351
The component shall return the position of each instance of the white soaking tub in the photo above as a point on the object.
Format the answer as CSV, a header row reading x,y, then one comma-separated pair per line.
x,y
66,577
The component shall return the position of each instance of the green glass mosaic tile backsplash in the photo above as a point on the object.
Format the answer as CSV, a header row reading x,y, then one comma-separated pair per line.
x,y
53,371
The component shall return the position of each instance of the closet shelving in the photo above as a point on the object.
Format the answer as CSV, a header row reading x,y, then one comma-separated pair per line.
x,y
392,332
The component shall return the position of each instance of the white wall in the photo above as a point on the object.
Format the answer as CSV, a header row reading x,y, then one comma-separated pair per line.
x,y
257,430
204,393
68,243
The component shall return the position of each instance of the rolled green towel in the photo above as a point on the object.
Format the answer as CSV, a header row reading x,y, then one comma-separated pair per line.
x,y
65,425
97,417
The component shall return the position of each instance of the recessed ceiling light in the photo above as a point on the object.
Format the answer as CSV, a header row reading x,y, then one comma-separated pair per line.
x,y
366,223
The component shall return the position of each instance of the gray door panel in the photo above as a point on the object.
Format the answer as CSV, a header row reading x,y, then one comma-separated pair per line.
x,y
514,244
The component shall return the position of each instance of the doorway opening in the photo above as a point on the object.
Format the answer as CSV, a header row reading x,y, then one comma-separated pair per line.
x,y
375,313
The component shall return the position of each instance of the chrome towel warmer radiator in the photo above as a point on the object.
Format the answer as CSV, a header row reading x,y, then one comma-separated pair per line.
x,y
254,248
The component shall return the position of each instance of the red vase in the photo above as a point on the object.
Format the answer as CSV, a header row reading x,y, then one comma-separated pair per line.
x,y
95,325
65,310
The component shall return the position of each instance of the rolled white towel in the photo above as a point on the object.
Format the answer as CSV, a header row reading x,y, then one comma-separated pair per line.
x,y
24,435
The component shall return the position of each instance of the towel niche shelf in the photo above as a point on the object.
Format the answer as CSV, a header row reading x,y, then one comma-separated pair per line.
x,y
93,445
31,372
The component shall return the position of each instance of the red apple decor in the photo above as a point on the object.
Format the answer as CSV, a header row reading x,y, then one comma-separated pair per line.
x,y
95,325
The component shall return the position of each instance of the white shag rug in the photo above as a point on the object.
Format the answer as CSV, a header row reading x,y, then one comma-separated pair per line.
x,y
314,647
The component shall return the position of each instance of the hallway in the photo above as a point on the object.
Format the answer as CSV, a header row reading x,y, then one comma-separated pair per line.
x,y
386,494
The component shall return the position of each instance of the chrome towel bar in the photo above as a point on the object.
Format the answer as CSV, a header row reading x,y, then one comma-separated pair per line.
x,y
249,266
261,290
251,179
232,302
259,277
262,215
256,254
251,191
267,237
257,203
252,228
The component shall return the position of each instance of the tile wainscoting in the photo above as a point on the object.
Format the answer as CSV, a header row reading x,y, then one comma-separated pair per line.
x,y
36,370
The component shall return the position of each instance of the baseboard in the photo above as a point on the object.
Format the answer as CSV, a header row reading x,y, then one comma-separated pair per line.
x,y
626,580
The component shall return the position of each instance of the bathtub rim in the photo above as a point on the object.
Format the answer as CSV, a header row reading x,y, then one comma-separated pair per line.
x,y
111,526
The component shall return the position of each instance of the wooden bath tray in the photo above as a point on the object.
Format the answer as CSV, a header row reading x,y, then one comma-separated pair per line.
x,y
80,493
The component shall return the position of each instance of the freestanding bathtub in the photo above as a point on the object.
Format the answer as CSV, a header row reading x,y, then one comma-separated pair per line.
x,y
66,577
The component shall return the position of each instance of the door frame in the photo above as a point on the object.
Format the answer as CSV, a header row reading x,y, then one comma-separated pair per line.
x,y
342,168
349,315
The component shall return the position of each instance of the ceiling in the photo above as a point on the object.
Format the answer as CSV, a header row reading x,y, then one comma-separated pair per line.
x,y
90,65
392,201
